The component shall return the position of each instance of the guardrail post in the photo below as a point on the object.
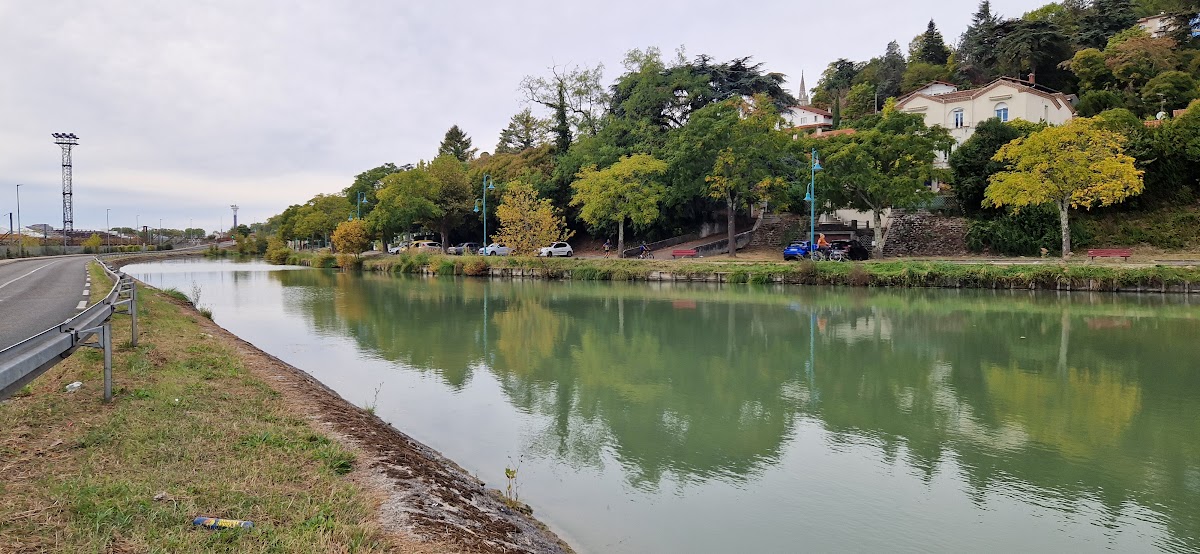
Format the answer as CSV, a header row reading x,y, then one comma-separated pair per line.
x,y
106,344
133,310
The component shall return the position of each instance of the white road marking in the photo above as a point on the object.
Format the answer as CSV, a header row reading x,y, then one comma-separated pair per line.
x,y
27,274
82,305
87,292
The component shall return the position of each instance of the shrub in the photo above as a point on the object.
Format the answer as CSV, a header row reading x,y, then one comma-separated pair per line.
x,y
477,267
323,260
858,277
445,267
349,261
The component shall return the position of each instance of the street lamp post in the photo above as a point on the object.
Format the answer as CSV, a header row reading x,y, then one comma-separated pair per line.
x,y
160,237
811,198
20,234
107,230
488,184
137,228
362,199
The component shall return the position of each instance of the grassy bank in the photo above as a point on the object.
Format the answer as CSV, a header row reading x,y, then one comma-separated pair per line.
x,y
903,273
190,432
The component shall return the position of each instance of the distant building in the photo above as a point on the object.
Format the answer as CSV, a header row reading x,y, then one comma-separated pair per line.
x,y
1005,98
1157,25
807,118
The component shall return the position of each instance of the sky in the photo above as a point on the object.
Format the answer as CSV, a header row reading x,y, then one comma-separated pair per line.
x,y
186,108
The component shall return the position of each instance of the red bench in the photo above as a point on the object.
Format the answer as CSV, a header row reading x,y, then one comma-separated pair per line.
x,y
683,253
1109,253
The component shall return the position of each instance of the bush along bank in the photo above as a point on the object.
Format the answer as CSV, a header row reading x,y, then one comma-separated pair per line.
x,y
914,274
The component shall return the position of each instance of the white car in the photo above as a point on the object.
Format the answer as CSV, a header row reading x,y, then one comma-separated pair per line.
x,y
494,249
557,249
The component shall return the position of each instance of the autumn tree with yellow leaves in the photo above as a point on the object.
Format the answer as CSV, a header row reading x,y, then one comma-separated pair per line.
x,y
528,222
1076,165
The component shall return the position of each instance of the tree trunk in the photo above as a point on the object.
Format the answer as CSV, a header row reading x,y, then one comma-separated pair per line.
x,y
732,231
1066,228
444,231
621,238
877,219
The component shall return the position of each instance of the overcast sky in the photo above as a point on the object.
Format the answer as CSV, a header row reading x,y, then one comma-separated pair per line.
x,y
183,108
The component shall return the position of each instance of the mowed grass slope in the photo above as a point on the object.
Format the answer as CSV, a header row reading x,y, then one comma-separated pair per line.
x,y
189,433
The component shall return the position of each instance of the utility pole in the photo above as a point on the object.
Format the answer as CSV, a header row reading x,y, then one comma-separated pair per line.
x,y
20,237
67,141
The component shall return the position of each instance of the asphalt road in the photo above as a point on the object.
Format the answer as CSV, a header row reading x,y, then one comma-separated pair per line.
x,y
39,293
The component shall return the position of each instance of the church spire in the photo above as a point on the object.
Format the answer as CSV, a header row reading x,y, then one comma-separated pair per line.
x,y
802,98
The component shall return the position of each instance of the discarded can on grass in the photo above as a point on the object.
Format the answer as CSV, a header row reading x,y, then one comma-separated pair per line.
x,y
218,523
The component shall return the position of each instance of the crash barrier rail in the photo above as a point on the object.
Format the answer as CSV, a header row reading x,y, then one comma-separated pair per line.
x,y
25,361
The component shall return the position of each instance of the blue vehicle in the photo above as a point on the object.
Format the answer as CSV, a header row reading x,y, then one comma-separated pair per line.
x,y
796,250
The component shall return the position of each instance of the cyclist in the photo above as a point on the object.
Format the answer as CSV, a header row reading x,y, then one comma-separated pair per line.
x,y
645,251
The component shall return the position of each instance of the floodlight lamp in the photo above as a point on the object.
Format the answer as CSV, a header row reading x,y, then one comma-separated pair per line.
x,y
808,197
817,166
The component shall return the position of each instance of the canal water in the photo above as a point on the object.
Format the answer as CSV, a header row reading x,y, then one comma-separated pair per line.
x,y
704,418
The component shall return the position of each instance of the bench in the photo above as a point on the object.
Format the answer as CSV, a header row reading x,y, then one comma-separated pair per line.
x,y
683,253
1109,253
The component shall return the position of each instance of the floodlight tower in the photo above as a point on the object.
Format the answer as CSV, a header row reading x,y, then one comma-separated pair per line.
x,y
66,141
234,207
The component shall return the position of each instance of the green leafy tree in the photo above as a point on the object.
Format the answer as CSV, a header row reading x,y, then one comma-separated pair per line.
x,y
919,74
1075,165
890,76
576,97
860,102
1096,101
1137,60
366,184
1091,67
320,216
528,222
452,194
524,131
978,45
404,201
1169,90
883,167
932,47
456,143
1103,19
971,163
627,190
744,170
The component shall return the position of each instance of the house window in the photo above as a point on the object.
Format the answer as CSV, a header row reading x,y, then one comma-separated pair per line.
x,y
1002,111
959,120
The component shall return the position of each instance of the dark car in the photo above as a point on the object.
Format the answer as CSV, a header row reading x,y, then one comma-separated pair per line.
x,y
853,249
464,248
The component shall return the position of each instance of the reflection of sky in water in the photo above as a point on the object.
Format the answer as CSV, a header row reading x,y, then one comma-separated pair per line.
x,y
658,417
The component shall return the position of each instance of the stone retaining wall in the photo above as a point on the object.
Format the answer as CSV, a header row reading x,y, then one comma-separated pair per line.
x,y
923,233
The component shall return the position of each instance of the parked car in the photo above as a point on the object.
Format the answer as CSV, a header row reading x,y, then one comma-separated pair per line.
x,y
397,248
464,248
796,250
557,249
426,246
495,249
853,249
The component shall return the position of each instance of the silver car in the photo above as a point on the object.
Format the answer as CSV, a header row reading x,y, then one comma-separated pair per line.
x,y
557,249
495,249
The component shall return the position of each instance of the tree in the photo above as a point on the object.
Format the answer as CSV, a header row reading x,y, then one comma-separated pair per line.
x,y
93,243
528,222
574,94
404,200
1096,101
1169,90
890,76
919,74
452,194
744,170
627,190
1032,46
320,216
1137,60
932,48
351,237
1090,66
971,163
977,46
882,167
1103,19
1078,164
366,184
524,131
860,101
456,143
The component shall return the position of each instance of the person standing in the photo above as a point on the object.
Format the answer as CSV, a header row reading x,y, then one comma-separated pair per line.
x,y
607,247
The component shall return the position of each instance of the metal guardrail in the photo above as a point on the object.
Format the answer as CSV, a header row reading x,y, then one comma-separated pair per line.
x,y
25,361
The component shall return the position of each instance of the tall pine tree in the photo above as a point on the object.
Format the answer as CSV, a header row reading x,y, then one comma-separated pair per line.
x,y
456,143
932,49
891,72
523,131
977,46
1104,19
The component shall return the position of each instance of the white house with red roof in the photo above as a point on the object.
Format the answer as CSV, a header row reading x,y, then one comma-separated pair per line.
x,y
804,118
1005,98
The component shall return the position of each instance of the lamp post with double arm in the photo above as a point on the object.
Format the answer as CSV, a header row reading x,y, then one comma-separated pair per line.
x,y
488,184
811,198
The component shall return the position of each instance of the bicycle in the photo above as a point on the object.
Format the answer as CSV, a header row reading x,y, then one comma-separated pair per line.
x,y
645,255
